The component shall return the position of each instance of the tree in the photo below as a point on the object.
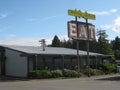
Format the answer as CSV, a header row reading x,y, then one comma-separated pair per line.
x,y
117,54
102,34
55,41
116,43
93,46
103,45
116,47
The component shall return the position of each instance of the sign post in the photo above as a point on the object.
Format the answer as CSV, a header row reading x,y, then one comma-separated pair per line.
x,y
86,16
78,58
88,61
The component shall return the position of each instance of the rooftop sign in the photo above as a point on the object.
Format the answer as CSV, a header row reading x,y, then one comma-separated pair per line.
x,y
81,14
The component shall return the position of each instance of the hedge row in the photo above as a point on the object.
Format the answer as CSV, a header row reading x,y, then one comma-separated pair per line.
x,y
93,72
42,74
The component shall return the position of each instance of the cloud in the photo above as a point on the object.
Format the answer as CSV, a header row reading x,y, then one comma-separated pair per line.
x,y
105,12
101,13
113,10
12,40
106,26
38,19
11,35
22,41
48,18
115,26
63,37
3,15
31,19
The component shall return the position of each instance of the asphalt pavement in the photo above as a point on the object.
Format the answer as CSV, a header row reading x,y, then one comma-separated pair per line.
x,y
107,82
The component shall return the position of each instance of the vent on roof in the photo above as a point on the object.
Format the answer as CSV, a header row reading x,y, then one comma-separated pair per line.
x,y
42,41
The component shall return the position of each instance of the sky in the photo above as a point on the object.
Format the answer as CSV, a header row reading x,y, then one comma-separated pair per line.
x,y
25,22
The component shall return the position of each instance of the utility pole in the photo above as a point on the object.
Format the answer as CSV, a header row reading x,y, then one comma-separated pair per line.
x,y
42,41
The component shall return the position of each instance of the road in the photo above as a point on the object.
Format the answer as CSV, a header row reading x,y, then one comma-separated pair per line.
x,y
111,82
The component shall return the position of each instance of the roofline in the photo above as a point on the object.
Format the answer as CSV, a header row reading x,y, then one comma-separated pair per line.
x,y
26,53
13,49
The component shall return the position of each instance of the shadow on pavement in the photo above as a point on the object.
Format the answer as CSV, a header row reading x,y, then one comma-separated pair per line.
x,y
11,79
114,78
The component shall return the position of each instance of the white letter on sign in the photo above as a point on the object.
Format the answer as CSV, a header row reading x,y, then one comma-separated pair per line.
x,y
73,31
83,32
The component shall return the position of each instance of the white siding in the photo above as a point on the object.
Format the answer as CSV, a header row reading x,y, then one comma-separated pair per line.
x,y
15,64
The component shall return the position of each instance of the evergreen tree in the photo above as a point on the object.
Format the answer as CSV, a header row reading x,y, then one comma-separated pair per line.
x,y
93,46
116,47
103,45
116,43
55,41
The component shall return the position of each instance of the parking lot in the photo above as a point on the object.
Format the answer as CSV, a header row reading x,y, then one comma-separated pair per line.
x,y
111,82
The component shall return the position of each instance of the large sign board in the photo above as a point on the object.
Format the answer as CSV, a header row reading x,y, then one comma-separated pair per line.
x,y
81,14
83,33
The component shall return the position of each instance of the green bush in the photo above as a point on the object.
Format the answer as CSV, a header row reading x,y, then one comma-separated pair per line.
x,y
89,71
42,74
109,68
70,73
56,73
32,74
98,72
93,72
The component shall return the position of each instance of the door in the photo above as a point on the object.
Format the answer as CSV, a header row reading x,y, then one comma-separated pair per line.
x,y
2,60
3,67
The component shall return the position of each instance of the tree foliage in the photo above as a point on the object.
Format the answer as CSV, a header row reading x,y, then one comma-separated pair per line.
x,y
103,45
116,47
55,41
116,43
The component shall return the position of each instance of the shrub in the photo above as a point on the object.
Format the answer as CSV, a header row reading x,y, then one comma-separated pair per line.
x,y
93,72
89,71
99,72
70,73
56,73
42,74
32,74
109,68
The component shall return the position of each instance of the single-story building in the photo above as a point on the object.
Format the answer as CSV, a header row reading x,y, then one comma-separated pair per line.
x,y
19,60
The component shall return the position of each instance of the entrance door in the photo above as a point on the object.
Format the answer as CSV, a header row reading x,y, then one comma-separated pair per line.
x,y
2,61
3,67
